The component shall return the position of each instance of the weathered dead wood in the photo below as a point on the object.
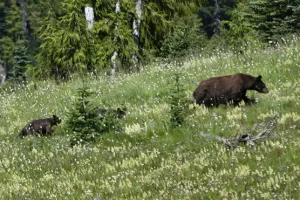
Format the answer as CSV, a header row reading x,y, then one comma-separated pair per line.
x,y
259,133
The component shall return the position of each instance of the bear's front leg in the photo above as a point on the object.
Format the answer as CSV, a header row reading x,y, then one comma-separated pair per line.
x,y
248,101
47,130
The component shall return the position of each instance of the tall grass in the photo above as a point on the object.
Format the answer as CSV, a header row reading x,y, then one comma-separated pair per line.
x,y
151,159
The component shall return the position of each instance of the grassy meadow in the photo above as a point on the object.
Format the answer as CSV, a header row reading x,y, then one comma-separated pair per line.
x,y
151,159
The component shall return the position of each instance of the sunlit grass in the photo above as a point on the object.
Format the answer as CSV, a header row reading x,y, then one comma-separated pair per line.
x,y
151,159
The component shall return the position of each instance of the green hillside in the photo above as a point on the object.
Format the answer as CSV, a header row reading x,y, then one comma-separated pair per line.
x,y
151,159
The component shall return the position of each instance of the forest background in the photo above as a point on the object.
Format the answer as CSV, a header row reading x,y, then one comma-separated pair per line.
x,y
41,39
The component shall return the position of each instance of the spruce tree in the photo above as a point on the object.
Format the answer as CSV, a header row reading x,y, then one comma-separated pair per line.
x,y
183,38
178,101
7,48
274,19
21,62
13,45
37,12
158,20
241,32
13,20
2,20
66,43
83,120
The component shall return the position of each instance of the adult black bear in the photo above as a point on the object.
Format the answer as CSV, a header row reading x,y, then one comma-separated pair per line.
x,y
226,89
40,126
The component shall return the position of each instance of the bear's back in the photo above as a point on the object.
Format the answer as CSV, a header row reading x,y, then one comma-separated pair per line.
x,y
221,85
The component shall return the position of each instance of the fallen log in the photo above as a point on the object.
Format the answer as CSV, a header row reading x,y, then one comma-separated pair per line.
x,y
259,133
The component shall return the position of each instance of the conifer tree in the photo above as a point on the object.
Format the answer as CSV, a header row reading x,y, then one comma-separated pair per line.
x,y
13,20
274,19
13,44
66,42
241,31
183,38
11,31
158,19
21,62
2,20
178,101
83,120
37,12
7,48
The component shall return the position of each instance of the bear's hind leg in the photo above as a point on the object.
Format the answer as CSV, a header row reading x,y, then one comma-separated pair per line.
x,y
201,97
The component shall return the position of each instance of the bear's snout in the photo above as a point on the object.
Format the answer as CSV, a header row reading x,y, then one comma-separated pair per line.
x,y
265,90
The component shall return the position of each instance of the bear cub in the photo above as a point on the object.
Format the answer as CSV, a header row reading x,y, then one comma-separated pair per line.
x,y
115,113
40,127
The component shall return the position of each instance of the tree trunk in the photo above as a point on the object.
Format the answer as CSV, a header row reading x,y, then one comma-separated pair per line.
x,y
2,73
136,27
89,16
217,18
24,17
115,55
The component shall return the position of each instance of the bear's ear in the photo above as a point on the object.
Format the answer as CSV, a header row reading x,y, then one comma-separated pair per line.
x,y
123,108
259,78
120,110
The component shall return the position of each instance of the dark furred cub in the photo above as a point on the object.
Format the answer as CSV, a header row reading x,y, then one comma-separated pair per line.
x,y
40,127
226,89
116,113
